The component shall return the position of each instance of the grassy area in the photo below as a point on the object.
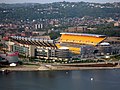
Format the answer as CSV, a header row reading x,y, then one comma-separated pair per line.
x,y
115,58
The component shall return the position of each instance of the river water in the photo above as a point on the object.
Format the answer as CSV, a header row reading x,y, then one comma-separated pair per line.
x,y
61,80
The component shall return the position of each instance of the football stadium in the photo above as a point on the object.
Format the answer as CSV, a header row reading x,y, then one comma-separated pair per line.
x,y
68,46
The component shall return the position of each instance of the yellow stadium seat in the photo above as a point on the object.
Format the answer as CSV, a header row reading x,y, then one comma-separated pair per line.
x,y
79,39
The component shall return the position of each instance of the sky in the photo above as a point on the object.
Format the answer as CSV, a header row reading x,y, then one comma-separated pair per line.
x,y
50,1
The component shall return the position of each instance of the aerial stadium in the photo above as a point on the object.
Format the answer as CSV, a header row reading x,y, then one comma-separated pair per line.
x,y
69,45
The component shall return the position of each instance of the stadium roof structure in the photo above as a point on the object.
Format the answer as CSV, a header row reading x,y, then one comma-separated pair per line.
x,y
82,38
34,41
84,34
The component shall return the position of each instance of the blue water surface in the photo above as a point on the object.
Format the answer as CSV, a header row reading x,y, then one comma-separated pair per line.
x,y
61,80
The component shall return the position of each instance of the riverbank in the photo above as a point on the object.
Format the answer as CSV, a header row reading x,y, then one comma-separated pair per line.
x,y
42,67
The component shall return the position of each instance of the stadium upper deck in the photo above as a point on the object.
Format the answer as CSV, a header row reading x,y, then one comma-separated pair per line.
x,y
79,38
34,41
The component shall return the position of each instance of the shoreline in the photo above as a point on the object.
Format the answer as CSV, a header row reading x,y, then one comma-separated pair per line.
x,y
53,68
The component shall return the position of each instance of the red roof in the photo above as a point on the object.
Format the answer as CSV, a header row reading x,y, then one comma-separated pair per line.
x,y
6,38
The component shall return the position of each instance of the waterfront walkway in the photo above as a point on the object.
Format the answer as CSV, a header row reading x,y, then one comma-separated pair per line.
x,y
77,66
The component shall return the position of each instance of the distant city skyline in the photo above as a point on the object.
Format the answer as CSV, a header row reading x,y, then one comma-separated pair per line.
x,y
50,1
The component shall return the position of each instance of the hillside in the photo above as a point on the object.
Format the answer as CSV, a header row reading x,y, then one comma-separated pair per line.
x,y
58,10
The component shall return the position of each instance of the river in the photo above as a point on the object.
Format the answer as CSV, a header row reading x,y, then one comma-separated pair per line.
x,y
61,80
